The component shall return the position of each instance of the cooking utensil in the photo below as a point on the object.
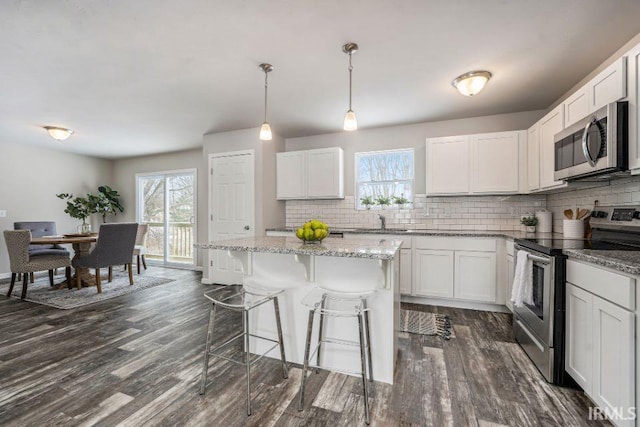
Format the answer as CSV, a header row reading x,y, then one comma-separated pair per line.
x,y
582,213
568,213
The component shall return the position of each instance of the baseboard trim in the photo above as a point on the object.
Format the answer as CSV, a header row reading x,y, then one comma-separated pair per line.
x,y
456,304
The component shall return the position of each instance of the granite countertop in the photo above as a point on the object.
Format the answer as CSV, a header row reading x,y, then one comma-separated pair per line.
x,y
337,247
435,233
623,261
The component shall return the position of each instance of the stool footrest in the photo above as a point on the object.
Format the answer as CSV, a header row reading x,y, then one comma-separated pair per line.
x,y
340,342
252,359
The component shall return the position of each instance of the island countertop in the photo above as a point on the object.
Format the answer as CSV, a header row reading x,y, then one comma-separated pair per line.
x,y
382,248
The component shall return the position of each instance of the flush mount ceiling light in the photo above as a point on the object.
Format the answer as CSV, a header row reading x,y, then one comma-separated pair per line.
x,y
58,133
350,122
472,82
265,130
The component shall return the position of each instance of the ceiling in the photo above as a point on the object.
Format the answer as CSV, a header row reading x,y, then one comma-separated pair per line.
x,y
149,76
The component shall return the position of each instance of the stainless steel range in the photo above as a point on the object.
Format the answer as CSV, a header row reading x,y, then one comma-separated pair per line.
x,y
539,327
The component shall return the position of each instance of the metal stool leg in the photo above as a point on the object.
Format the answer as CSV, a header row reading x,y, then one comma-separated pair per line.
x,y
285,370
207,348
322,306
305,366
364,369
368,336
247,354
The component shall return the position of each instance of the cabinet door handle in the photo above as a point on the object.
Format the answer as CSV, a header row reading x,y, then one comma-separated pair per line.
x,y
246,227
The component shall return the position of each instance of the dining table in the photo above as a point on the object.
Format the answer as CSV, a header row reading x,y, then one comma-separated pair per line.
x,y
81,244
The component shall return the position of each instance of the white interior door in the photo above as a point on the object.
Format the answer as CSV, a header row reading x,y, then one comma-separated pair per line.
x,y
231,210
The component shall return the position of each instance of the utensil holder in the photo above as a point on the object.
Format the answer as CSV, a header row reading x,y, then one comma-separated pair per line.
x,y
573,228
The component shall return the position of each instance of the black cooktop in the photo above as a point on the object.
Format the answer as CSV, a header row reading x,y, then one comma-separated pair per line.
x,y
551,246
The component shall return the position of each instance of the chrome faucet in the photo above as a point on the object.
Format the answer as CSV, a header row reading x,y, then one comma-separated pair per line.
x,y
383,222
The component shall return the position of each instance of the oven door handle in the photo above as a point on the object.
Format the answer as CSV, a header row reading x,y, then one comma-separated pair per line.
x,y
539,259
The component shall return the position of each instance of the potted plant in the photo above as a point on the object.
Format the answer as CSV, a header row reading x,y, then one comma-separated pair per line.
x,y
106,202
367,201
383,201
529,223
400,201
78,208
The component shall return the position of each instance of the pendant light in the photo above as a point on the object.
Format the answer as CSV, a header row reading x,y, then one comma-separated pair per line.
x,y
58,133
265,130
471,83
350,122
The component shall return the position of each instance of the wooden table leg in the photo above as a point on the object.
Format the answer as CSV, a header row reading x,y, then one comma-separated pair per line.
x,y
86,278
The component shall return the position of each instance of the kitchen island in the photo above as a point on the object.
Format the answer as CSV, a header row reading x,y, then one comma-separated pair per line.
x,y
341,265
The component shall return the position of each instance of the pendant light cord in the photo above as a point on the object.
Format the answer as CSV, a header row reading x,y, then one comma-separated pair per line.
x,y
350,72
266,74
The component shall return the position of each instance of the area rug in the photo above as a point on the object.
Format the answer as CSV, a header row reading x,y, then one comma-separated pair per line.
x,y
420,322
40,292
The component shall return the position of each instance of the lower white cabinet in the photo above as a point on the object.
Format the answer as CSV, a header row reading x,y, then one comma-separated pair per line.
x,y
433,273
600,344
475,276
406,271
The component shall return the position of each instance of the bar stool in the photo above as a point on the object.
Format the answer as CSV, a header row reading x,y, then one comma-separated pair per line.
x,y
336,304
243,299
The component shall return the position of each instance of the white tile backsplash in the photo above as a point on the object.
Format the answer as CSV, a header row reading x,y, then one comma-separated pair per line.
x,y
443,213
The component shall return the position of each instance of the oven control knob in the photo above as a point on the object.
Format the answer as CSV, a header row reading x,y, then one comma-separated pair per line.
x,y
602,214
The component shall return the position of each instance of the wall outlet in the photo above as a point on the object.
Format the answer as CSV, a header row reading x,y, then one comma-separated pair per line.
x,y
3,214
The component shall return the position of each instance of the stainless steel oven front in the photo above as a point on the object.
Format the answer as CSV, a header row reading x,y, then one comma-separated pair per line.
x,y
534,323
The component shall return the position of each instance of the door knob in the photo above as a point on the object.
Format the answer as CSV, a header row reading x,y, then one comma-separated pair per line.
x,y
246,227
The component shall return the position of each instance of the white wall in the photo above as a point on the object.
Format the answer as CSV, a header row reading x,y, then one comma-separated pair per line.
x,y
30,179
409,136
124,181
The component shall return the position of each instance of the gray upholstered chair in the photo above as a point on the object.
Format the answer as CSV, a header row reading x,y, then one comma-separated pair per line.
x,y
41,229
140,249
21,262
114,247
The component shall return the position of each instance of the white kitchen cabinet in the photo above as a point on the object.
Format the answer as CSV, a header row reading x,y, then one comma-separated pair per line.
x,y
550,125
495,162
291,175
633,79
600,336
533,157
310,174
576,107
325,173
433,273
475,276
491,163
578,324
448,165
613,356
608,86
406,272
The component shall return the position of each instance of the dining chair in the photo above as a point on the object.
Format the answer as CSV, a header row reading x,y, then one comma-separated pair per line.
x,y
114,247
140,248
20,261
41,229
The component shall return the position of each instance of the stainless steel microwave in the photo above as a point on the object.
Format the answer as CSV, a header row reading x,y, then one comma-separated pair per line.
x,y
596,146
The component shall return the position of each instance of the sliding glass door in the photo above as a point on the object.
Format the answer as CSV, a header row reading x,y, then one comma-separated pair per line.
x,y
167,202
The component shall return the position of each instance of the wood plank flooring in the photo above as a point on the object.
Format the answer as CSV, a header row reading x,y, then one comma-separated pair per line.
x,y
136,360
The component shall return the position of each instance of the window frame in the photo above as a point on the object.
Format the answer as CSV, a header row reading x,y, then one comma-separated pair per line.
x,y
358,205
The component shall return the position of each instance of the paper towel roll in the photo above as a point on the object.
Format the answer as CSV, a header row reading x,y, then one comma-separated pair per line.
x,y
545,222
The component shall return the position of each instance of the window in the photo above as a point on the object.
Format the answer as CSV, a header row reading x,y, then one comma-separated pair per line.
x,y
385,174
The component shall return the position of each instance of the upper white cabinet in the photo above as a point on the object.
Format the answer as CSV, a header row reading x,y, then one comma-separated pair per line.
x,y
633,61
494,162
310,174
550,125
533,157
448,165
475,164
576,107
609,85
291,182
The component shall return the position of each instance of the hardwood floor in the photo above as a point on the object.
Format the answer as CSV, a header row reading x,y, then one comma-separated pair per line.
x,y
136,360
